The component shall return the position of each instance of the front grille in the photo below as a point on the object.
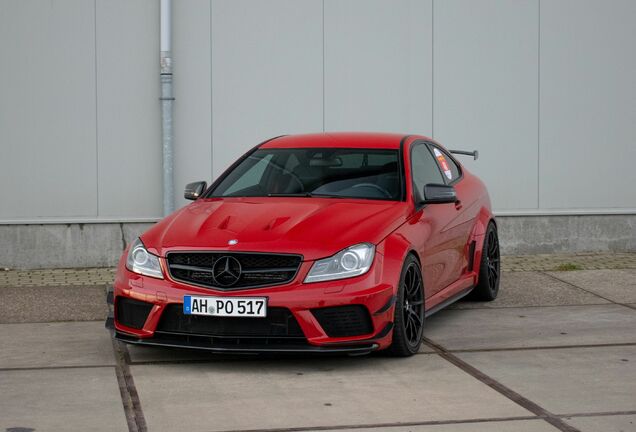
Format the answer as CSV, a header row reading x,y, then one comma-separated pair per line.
x,y
132,313
343,321
279,323
232,270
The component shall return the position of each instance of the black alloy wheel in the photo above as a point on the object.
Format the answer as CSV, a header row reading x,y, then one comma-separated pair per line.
x,y
487,287
492,260
409,311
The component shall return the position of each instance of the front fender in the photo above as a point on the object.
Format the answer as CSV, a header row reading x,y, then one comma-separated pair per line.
x,y
394,249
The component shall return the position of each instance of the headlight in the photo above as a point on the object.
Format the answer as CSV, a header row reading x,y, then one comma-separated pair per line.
x,y
352,261
140,261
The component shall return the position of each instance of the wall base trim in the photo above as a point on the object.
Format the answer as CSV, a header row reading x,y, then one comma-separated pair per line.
x,y
78,220
568,212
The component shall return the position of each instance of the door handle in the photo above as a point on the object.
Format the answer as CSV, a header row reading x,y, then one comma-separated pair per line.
x,y
458,205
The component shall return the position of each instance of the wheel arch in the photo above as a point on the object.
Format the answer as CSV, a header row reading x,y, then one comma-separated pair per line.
x,y
484,219
395,249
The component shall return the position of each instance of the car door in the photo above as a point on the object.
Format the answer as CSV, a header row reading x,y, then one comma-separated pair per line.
x,y
463,220
442,239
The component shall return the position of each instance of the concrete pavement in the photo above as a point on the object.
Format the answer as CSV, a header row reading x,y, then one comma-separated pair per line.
x,y
556,351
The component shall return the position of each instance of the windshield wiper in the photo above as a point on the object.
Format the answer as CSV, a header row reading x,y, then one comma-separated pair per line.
x,y
301,194
319,195
306,195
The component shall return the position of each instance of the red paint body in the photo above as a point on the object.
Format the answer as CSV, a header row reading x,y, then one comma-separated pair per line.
x,y
439,235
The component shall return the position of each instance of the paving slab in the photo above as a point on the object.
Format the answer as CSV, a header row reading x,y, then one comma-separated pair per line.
x,y
149,354
616,285
609,423
55,344
425,349
52,303
566,381
313,392
533,289
499,426
80,399
532,327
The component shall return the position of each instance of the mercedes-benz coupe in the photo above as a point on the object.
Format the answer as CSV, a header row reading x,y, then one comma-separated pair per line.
x,y
331,242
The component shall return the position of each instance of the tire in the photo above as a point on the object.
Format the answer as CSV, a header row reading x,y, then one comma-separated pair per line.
x,y
408,321
487,286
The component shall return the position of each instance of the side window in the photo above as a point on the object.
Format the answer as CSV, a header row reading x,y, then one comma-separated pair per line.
x,y
253,175
424,168
447,165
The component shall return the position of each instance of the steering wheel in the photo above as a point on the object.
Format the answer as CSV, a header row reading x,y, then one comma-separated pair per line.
x,y
380,189
292,175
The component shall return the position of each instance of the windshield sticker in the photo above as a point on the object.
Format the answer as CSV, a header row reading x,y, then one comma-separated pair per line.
x,y
442,162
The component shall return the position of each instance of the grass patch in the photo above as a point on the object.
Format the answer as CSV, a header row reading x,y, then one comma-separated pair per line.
x,y
568,267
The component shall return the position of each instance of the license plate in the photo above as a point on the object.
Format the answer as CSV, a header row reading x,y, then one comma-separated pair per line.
x,y
255,307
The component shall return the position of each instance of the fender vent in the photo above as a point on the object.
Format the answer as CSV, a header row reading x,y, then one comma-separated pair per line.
x,y
471,255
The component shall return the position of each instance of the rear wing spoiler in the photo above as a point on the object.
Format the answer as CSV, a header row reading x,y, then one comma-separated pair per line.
x,y
474,153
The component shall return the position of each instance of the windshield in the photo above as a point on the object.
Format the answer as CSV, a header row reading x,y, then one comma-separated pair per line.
x,y
323,172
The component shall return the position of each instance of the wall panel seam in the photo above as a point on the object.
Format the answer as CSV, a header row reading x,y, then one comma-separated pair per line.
x,y
433,69
211,95
323,66
96,111
538,104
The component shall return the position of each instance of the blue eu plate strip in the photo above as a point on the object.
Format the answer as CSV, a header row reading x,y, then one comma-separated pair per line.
x,y
187,304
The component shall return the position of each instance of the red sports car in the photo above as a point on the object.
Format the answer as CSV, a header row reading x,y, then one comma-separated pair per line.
x,y
334,242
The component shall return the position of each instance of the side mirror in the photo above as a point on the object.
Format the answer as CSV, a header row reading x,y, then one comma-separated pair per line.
x,y
194,190
439,194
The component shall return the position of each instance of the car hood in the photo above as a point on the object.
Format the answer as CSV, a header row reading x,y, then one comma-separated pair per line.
x,y
313,227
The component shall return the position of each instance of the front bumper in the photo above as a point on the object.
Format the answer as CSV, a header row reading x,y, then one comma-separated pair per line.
x,y
370,291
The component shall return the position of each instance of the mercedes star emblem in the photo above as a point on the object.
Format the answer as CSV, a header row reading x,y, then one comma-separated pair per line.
x,y
226,271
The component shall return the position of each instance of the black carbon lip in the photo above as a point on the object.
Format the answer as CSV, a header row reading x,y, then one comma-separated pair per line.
x,y
254,349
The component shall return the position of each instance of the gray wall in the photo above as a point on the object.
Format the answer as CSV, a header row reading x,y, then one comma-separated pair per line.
x,y
545,91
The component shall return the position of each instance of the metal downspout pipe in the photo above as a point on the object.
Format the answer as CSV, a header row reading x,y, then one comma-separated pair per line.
x,y
167,99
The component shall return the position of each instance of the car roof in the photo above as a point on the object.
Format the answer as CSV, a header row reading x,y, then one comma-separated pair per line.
x,y
375,140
